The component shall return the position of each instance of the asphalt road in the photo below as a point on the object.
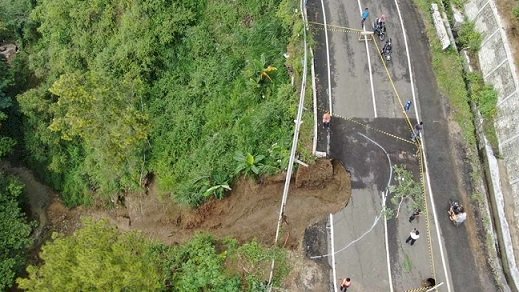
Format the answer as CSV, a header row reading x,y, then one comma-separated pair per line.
x,y
360,98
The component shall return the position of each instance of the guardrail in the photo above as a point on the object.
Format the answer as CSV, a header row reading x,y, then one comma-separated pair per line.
x,y
295,139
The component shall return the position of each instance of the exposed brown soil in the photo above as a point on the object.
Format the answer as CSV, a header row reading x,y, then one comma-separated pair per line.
x,y
251,211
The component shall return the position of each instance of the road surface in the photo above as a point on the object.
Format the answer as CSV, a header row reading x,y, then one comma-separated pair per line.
x,y
366,104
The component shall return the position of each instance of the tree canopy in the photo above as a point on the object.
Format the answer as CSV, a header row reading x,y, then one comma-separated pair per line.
x,y
96,257
176,88
14,231
99,257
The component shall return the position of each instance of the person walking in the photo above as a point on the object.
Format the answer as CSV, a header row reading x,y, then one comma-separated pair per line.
x,y
365,15
327,118
417,131
407,106
345,284
413,236
415,214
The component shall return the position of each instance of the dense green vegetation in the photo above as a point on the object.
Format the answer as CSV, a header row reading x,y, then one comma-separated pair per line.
x,y
14,228
103,93
178,89
98,257
484,96
14,231
469,38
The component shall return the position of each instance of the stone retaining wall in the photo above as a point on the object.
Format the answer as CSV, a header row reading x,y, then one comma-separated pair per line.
x,y
498,69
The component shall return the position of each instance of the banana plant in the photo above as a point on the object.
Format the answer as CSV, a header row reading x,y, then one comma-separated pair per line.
x,y
249,164
262,71
218,191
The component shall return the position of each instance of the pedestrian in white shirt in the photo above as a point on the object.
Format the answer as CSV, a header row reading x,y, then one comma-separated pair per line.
x,y
413,236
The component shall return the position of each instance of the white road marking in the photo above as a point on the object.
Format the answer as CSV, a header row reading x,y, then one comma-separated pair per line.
x,y
377,218
329,76
328,61
387,248
369,65
429,189
333,255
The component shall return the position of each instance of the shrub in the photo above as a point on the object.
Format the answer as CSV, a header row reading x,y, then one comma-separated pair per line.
x,y
469,38
515,12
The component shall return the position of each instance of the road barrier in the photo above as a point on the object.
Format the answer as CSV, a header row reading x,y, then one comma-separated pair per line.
x,y
295,139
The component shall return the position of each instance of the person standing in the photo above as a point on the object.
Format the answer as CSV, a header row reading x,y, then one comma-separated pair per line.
x,y
413,236
417,131
365,15
380,22
327,118
407,106
345,284
415,214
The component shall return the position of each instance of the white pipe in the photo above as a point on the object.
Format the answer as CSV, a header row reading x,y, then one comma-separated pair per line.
x,y
314,91
297,127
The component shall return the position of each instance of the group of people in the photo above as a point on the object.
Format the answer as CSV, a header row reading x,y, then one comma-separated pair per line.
x,y
414,234
378,27
457,213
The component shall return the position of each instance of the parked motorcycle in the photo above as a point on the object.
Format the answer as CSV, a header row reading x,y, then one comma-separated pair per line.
x,y
379,28
387,50
456,212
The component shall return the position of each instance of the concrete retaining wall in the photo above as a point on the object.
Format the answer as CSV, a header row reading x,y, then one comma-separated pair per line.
x,y
498,68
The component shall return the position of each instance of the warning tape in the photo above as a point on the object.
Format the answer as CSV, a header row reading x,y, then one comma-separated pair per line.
x,y
372,128
417,141
421,289
427,220
336,27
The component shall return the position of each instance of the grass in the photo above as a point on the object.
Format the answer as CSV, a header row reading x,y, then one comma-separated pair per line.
x,y
296,49
407,265
448,68
469,37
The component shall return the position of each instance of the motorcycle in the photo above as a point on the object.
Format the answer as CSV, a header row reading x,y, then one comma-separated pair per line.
x,y
379,28
386,50
456,212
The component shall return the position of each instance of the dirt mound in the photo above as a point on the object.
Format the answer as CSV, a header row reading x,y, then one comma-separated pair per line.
x,y
315,176
250,212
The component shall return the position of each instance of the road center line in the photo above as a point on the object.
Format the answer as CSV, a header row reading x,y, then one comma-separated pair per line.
x,y
369,66
429,189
